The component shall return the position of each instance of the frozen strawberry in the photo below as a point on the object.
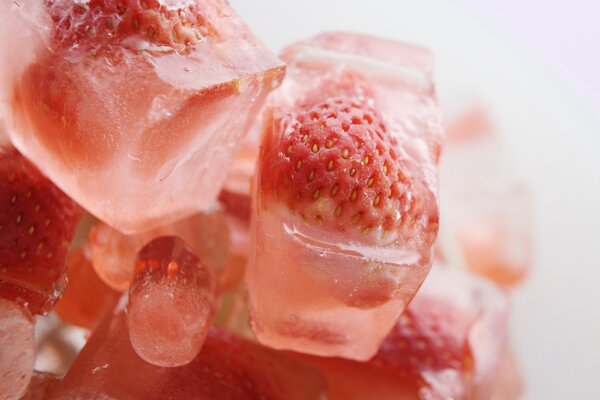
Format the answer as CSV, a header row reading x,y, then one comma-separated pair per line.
x,y
339,167
86,298
228,367
135,99
99,25
37,224
171,302
449,343
17,349
344,202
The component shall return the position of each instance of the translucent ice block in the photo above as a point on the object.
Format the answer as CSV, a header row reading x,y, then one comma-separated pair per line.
x,y
320,287
133,118
509,382
171,303
17,349
448,344
228,367
113,253
86,297
486,205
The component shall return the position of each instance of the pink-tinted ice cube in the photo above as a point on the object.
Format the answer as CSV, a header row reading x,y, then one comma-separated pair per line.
x,y
113,253
17,349
486,205
86,297
228,367
133,108
332,277
171,302
509,382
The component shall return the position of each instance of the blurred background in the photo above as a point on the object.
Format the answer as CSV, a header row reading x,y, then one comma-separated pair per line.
x,y
534,67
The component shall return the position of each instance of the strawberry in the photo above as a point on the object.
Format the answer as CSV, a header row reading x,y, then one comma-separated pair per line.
x,y
97,24
333,162
429,336
37,223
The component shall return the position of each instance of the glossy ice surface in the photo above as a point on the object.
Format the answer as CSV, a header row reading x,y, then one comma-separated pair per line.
x,y
228,368
113,253
171,302
17,349
326,292
123,115
486,205
448,344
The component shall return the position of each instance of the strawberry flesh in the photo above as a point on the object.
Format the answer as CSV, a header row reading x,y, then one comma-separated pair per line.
x,y
99,23
429,338
37,223
338,166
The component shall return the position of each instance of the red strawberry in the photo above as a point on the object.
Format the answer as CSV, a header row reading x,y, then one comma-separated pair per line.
x,y
37,223
336,164
430,336
97,24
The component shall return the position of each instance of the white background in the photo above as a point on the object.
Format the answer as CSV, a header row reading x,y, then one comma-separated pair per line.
x,y
554,137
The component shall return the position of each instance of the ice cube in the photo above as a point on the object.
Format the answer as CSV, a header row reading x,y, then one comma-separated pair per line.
x,y
86,297
485,203
113,253
133,109
171,302
449,343
228,367
345,198
17,349
509,382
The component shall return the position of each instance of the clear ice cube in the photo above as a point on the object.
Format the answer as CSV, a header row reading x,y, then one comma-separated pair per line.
x,y
17,349
485,203
228,367
136,130
171,302
318,291
113,253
